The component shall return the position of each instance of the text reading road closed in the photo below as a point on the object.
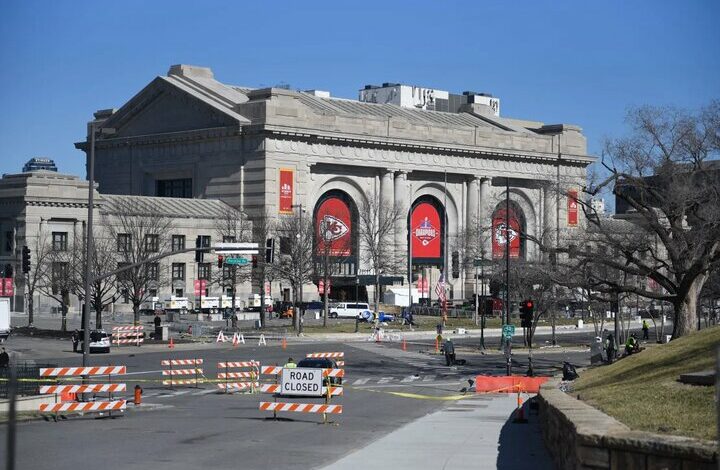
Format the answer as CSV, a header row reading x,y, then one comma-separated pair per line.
x,y
302,381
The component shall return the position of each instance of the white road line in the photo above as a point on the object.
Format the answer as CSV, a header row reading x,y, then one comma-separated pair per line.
x,y
429,378
142,372
385,380
361,381
205,392
174,394
410,378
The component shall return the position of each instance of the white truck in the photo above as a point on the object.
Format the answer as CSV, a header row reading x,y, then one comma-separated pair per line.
x,y
4,319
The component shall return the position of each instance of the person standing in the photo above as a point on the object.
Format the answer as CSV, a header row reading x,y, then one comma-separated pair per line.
x,y
4,359
158,329
290,364
449,349
645,329
610,348
75,340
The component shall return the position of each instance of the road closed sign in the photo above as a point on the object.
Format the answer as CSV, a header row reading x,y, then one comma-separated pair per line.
x,y
302,381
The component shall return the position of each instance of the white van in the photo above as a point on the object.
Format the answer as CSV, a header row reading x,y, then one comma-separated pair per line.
x,y
347,310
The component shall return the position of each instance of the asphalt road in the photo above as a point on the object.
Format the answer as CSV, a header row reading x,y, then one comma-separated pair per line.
x,y
189,427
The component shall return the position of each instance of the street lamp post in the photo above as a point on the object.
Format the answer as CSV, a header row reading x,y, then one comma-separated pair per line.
x,y
301,233
89,239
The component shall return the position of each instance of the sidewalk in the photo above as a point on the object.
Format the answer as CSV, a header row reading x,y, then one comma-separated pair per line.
x,y
475,433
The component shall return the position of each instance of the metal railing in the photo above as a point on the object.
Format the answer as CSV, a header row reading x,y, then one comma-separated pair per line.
x,y
28,375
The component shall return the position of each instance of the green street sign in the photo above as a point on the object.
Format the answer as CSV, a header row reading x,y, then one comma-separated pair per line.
x,y
240,261
508,331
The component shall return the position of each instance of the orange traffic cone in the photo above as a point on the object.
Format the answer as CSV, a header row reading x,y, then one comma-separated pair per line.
x,y
284,343
404,345
172,344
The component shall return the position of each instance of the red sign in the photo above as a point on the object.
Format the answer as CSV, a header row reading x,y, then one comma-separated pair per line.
x,y
572,211
267,288
426,232
200,286
500,234
321,287
286,190
423,286
6,287
334,228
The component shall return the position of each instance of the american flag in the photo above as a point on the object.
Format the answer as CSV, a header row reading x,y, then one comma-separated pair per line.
x,y
440,288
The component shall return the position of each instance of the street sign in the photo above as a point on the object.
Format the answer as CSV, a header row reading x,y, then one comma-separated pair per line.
x,y
302,381
227,248
508,331
238,261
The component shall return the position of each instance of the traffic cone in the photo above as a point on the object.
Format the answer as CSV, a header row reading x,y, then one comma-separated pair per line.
x,y
404,345
172,344
284,343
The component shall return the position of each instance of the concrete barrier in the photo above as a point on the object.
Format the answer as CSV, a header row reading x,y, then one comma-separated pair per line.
x,y
579,436
29,403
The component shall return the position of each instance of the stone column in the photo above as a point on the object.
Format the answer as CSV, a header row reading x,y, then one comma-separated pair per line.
x,y
387,196
486,216
402,206
549,214
471,214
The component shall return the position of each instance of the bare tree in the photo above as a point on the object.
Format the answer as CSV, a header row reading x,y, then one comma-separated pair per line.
x,y
40,251
329,258
295,263
665,175
140,232
103,292
57,279
232,226
377,219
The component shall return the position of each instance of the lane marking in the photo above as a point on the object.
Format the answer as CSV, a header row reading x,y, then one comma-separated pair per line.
x,y
361,381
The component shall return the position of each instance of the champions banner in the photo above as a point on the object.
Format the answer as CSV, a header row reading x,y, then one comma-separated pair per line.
x,y
426,233
286,188
500,234
572,210
333,226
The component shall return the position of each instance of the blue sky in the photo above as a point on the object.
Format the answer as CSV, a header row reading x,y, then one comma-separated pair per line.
x,y
579,62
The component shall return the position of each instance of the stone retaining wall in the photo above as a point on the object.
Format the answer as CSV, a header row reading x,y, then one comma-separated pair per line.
x,y
579,436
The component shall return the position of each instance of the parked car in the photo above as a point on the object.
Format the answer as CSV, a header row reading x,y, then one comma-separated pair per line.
x,y
100,341
321,363
348,310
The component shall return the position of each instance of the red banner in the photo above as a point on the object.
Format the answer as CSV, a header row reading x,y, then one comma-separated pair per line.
x,y
500,234
423,286
286,191
334,228
572,210
200,286
321,287
6,287
426,232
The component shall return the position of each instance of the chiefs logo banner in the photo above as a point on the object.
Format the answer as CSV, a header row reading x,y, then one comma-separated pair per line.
x,y
425,232
333,225
501,233
572,213
286,191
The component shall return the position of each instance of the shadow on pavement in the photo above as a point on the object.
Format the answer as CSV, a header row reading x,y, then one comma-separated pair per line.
x,y
520,446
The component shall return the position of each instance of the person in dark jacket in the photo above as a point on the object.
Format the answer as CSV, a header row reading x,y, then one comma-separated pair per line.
x,y
449,349
75,340
4,359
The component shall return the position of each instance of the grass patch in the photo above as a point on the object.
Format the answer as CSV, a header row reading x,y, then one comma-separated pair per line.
x,y
642,390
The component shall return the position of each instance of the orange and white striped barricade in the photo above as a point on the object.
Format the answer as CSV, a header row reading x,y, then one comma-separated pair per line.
x,y
128,334
305,382
253,374
66,373
329,355
183,372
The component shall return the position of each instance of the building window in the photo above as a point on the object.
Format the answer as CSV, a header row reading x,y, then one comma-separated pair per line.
x,y
204,271
152,243
229,239
125,275
9,241
178,271
153,271
124,242
59,241
125,296
205,241
59,275
174,188
178,242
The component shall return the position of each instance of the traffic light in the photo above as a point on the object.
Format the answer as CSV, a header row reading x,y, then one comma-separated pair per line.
x,y
270,250
254,261
25,260
220,261
198,253
455,264
526,313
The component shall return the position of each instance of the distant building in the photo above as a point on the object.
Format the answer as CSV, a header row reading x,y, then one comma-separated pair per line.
x,y
35,164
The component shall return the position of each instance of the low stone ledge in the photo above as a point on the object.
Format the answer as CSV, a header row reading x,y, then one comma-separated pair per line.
x,y
580,436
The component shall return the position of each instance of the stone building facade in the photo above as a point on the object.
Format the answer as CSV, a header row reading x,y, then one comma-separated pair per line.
x,y
271,150
47,212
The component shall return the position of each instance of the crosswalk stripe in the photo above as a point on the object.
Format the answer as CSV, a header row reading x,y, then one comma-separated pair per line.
x,y
410,378
361,381
385,380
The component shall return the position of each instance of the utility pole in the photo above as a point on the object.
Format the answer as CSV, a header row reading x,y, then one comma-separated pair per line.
x,y
507,271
